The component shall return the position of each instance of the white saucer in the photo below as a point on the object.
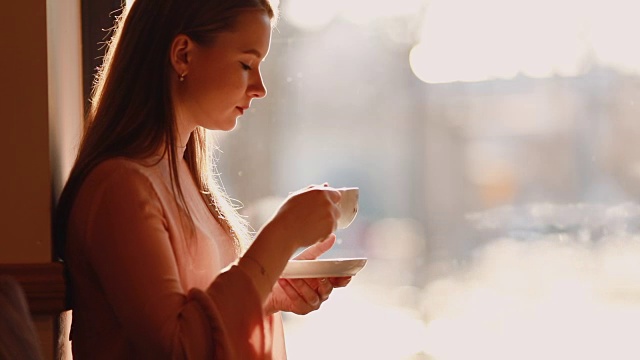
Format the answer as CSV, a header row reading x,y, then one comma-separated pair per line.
x,y
318,268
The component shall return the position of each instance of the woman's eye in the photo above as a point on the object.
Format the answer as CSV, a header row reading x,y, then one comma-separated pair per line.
x,y
245,66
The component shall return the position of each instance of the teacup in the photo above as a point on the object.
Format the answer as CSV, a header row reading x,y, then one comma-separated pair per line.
x,y
348,206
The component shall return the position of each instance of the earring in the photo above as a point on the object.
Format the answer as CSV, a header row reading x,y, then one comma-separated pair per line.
x,y
181,77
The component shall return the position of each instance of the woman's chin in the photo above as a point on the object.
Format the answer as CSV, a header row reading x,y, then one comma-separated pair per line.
x,y
223,126
230,126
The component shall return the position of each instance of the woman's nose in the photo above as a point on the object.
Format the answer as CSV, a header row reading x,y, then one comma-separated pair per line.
x,y
257,88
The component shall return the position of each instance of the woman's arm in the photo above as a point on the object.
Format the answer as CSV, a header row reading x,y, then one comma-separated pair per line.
x,y
129,248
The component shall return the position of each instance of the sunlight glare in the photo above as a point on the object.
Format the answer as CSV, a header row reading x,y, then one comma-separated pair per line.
x,y
365,11
542,299
614,34
304,16
464,40
353,326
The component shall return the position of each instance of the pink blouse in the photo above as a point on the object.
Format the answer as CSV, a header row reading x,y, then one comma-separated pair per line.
x,y
147,287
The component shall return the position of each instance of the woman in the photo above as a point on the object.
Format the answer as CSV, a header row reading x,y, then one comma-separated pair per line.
x,y
153,247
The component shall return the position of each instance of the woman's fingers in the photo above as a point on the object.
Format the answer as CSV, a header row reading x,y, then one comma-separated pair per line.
x,y
340,281
298,303
300,292
308,216
306,291
324,288
306,294
302,296
317,249
326,184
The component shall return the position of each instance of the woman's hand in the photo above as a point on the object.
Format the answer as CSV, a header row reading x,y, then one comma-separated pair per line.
x,y
307,216
301,296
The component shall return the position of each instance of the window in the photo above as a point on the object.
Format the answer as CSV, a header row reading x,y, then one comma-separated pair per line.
x,y
494,146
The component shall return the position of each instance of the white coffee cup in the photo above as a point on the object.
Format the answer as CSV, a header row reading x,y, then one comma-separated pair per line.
x,y
348,206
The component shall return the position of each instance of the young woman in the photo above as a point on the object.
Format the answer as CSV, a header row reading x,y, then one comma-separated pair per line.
x,y
152,245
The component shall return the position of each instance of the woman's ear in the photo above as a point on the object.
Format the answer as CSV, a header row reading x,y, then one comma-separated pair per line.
x,y
180,55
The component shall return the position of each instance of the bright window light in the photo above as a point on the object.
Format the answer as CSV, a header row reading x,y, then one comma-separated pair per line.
x,y
466,40
303,15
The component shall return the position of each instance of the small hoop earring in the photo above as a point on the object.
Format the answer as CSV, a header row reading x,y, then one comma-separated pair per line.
x,y
181,77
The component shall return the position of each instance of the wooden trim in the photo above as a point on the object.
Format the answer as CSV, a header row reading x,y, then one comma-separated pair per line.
x,y
43,285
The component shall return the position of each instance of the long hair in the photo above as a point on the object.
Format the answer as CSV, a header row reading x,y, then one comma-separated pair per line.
x,y
132,114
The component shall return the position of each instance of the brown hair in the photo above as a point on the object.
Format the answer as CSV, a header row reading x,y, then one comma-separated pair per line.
x,y
131,112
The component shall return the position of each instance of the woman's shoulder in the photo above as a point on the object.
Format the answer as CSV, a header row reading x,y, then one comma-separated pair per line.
x,y
127,165
121,171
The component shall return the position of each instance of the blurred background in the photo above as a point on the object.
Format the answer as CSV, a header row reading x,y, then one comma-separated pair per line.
x,y
496,148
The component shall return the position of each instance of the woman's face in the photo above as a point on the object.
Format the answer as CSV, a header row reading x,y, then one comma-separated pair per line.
x,y
223,78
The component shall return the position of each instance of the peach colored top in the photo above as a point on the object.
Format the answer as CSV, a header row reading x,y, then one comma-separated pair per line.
x,y
145,287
